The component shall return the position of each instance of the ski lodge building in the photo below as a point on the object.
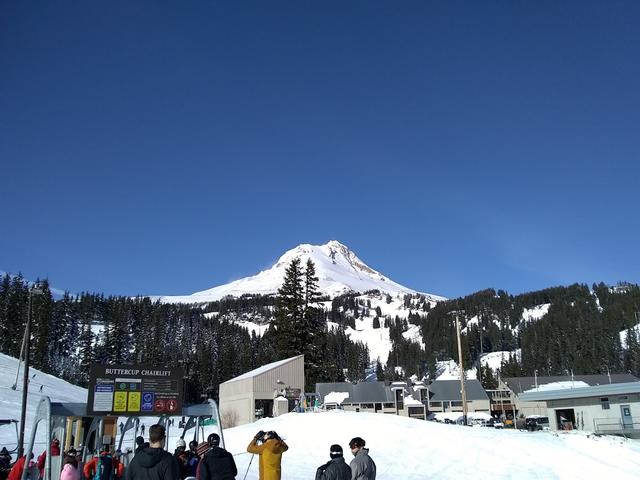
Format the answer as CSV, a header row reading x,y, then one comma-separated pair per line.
x,y
511,390
414,400
267,391
609,409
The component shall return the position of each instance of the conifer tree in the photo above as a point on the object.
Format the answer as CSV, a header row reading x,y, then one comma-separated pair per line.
x,y
289,337
379,371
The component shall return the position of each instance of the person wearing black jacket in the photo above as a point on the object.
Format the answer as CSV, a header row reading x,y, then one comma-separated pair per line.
x,y
336,468
140,445
153,462
217,464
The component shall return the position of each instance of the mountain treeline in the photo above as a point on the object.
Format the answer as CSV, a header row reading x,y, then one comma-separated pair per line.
x,y
70,333
579,333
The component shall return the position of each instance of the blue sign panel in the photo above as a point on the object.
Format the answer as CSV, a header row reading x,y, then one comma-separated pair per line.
x,y
147,401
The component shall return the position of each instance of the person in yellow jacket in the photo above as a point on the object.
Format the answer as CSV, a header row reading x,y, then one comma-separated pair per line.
x,y
270,450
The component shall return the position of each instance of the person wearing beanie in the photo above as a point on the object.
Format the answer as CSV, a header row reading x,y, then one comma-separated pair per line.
x,y
192,458
217,464
336,468
270,450
362,466
180,454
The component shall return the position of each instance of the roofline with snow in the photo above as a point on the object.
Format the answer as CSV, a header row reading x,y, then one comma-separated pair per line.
x,y
263,369
582,392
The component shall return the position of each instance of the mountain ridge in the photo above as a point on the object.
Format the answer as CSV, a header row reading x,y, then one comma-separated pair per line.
x,y
338,268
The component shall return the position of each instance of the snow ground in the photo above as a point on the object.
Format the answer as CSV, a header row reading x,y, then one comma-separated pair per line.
x,y
401,447
418,450
535,313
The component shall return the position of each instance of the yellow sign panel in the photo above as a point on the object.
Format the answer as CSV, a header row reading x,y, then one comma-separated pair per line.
x,y
134,402
120,402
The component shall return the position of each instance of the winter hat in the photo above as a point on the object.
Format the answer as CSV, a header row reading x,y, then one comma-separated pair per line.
x,y
202,448
214,440
181,443
335,451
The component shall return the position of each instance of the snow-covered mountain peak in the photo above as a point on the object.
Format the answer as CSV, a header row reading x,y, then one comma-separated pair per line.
x,y
338,268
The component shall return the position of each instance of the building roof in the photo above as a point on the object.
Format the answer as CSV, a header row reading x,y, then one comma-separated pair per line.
x,y
582,392
265,368
364,392
519,385
449,390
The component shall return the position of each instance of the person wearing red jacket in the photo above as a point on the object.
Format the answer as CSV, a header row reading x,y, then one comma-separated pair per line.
x,y
55,451
17,469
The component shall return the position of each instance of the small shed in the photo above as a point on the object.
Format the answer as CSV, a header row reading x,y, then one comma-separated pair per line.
x,y
250,396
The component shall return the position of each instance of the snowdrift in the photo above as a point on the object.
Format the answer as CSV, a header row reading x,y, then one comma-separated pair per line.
x,y
418,450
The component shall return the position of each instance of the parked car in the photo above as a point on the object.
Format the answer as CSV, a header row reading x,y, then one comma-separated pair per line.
x,y
537,422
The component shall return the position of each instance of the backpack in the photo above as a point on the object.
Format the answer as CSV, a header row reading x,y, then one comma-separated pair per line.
x,y
104,468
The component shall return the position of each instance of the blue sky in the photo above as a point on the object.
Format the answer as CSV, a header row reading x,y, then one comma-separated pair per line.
x,y
165,148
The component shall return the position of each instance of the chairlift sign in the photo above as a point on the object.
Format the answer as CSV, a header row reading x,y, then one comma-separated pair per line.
x,y
134,390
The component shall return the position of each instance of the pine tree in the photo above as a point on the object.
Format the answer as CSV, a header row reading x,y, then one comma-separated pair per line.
x,y
289,315
379,371
41,310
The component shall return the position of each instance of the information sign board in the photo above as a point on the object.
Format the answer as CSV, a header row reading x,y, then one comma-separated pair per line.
x,y
134,390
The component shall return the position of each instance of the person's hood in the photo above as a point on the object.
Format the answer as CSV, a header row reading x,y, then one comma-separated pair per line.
x,y
338,460
150,457
217,452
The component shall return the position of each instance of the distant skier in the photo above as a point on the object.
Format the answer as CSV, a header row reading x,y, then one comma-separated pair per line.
x,y
362,466
270,451
217,464
336,468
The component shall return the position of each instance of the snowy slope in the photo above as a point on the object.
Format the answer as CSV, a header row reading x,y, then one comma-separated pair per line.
x,y
338,268
11,400
418,450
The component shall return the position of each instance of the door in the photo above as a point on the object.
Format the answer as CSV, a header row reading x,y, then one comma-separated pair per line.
x,y
627,420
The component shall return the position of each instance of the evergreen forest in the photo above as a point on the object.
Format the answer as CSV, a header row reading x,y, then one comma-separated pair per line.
x,y
579,334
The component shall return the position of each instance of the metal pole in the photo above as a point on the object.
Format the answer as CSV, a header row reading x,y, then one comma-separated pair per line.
x,y
15,384
25,380
462,387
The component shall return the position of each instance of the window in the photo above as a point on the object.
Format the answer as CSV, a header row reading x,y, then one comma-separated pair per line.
x,y
366,405
456,404
389,405
436,404
604,401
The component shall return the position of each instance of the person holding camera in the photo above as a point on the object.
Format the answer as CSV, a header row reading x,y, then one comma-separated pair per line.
x,y
270,447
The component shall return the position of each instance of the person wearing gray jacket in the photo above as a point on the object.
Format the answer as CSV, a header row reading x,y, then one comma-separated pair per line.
x,y
362,466
336,468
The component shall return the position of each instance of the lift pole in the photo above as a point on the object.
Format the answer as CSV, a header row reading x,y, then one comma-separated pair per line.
x,y
462,387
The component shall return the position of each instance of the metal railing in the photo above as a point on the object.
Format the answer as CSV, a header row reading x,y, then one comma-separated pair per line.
x,y
612,426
